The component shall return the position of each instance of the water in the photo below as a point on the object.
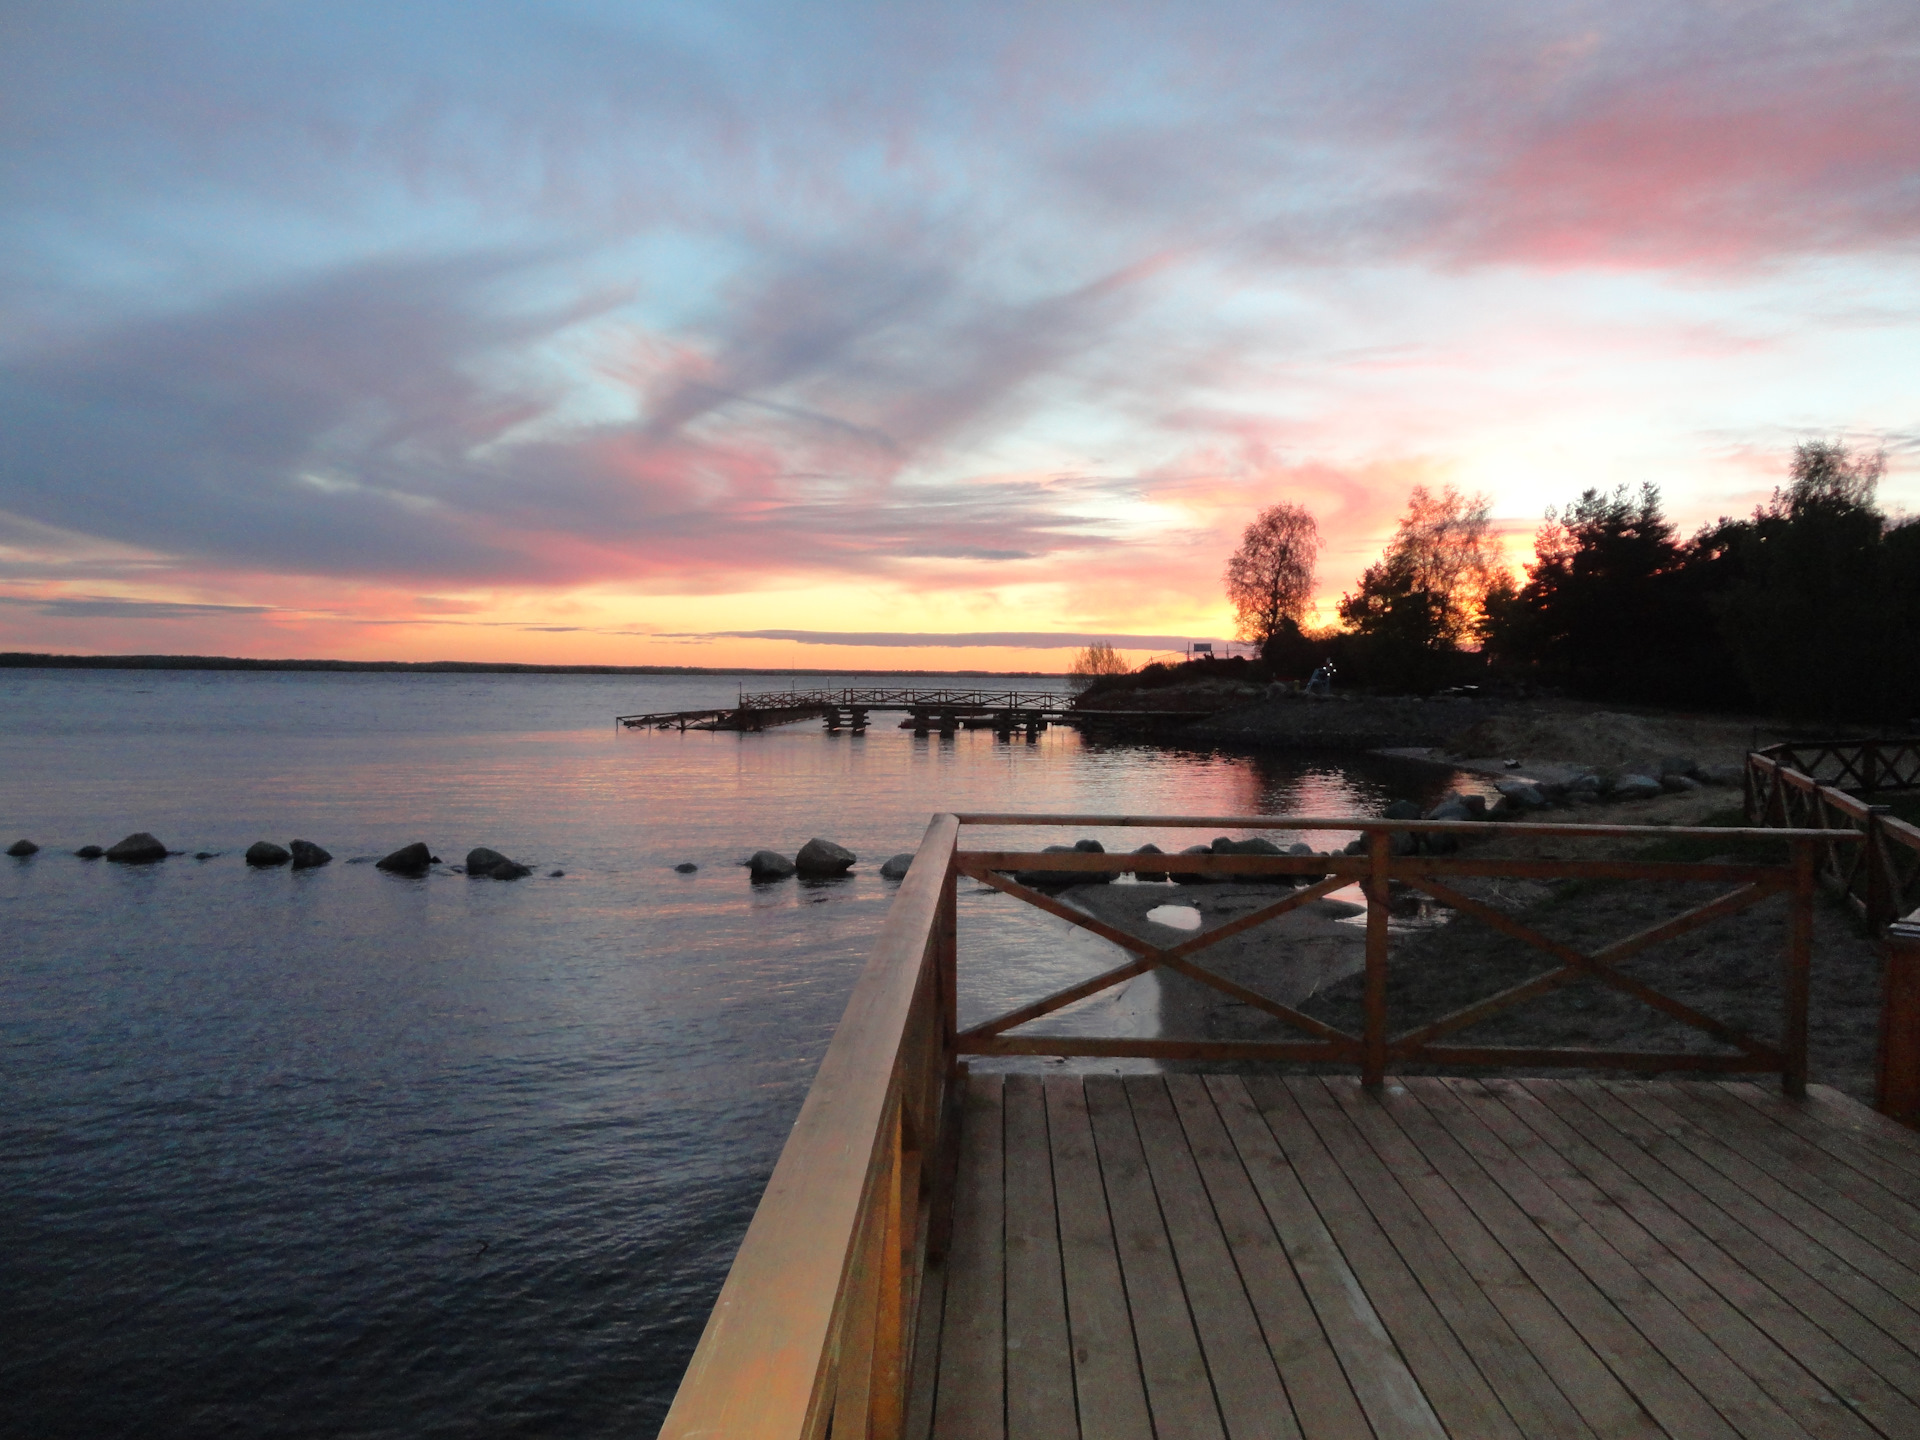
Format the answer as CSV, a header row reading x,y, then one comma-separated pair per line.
x,y
338,1153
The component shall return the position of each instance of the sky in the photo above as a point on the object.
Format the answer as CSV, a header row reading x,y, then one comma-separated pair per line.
x,y
918,336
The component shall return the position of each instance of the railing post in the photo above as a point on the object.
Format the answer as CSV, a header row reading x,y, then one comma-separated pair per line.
x,y
1799,961
1897,1092
1373,1051
1878,891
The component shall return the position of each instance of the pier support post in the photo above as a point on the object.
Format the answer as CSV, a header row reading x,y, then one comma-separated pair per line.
x,y
920,722
859,721
948,722
1897,1092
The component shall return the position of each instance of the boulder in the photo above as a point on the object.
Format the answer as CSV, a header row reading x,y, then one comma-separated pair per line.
x,y
1677,765
481,862
1450,809
1089,847
306,854
1634,787
1587,784
407,860
1060,879
823,857
139,848
1258,845
265,853
1405,842
1675,782
685,867
89,852
895,867
1521,794
511,870
20,849
1150,876
769,865
1180,878
1300,847
556,874
1401,810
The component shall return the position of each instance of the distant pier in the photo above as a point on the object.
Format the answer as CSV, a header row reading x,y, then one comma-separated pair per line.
x,y
929,711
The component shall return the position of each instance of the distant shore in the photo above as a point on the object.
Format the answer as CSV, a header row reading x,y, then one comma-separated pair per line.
x,y
27,660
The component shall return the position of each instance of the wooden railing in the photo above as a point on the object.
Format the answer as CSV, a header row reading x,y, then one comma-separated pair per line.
x,y
1880,878
908,698
813,1332
1867,766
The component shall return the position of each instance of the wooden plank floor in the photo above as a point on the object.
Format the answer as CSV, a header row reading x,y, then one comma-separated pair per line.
x,y
1213,1256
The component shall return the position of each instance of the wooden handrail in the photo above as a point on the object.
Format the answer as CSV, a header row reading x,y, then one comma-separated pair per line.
x,y
810,1324
1881,878
1898,1091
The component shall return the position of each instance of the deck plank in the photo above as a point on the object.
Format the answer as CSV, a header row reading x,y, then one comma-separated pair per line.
x,y
1812,1165
1784,1380
1473,1274
1106,1366
1322,1400
1246,1381
1785,1194
1851,1380
1179,1390
1858,1147
1640,1364
1447,1259
1844,1303
1040,1401
970,1396
1448,1394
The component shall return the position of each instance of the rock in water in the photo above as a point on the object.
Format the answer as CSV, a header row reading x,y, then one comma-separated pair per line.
x,y
306,855
89,852
769,865
1401,810
685,867
896,866
265,852
511,870
1187,877
481,861
20,849
407,860
823,857
139,848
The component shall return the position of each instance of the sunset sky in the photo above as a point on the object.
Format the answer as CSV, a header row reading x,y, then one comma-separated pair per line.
x,y
907,335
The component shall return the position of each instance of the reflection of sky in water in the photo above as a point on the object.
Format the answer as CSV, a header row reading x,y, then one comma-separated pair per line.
x,y
260,1124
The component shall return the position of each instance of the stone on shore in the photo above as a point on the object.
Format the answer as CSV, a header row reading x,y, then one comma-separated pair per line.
x,y
306,854
1061,879
1188,877
1522,794
139,848
895,867
822,857
1151,877
264,853
89,852
407,860
20,849
1635,787
769,865
1401,810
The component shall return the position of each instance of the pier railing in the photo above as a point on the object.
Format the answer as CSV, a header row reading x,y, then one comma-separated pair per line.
x,y
814,1330
907,698
1879,877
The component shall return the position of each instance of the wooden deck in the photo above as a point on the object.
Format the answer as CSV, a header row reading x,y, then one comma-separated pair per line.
x,y
1214,1256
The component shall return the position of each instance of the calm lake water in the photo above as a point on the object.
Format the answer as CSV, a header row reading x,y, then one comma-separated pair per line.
x,y
338,1153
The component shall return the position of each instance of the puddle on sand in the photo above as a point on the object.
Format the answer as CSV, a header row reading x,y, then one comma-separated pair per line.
x,y
1177,917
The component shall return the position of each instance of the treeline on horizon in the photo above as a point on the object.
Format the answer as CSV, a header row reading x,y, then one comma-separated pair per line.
x,y
30,660
1809,608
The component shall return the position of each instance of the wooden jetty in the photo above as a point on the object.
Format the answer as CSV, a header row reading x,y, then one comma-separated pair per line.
x,y
947,1251
940,711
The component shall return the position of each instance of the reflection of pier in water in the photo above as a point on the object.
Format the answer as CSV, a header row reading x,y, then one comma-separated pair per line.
x,y
930,711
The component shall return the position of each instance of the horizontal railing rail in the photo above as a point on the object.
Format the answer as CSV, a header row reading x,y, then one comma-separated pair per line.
x,y
906,698
1879,878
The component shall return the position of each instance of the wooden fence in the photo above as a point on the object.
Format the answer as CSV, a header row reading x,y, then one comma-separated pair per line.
x,y
1880,878
813,1332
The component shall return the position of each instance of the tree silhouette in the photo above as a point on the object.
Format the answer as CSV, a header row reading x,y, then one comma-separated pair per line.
x,y
1270,577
